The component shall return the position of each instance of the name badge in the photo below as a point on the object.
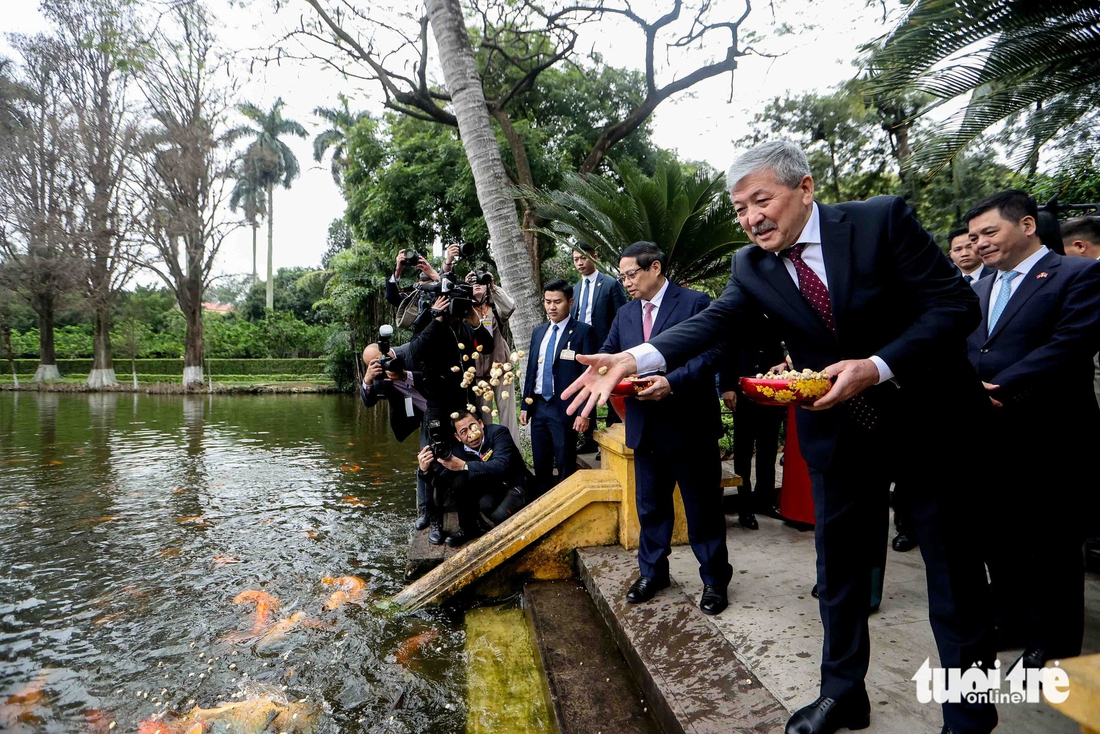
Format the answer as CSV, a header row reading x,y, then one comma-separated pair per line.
x,y
408,407
568,354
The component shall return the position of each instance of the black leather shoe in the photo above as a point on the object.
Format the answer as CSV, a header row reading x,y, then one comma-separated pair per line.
x,y
644,589
813,592
462,537
903,542
713,600
748,521
424,519
1033,657
826,715
436,534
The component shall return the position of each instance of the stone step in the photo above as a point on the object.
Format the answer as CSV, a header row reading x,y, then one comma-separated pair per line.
x,y
423,556
688,671
590,687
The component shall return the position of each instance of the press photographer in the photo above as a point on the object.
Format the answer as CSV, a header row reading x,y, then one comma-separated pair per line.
x,y
387,378
478,470
413,303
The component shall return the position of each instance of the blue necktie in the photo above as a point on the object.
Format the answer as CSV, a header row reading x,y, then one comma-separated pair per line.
x,y
1002,298
548,365
581,315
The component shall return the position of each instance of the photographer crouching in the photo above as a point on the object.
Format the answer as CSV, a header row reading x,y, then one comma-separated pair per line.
x,y
480,472
446,353
387,378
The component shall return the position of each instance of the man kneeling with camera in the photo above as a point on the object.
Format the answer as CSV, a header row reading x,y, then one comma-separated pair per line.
x,y
480,472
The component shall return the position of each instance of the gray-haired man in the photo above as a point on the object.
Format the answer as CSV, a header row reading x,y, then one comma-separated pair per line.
x,y
859,290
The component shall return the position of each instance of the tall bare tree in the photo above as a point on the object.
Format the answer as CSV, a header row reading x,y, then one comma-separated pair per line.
x,y
99,51
36,192
186,168
517,40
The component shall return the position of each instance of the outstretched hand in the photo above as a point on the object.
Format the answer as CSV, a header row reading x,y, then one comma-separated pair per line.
x,y
592,388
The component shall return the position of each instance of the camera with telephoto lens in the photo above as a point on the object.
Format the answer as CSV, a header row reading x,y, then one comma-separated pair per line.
x,y
439,440
410,259
466,249
480,277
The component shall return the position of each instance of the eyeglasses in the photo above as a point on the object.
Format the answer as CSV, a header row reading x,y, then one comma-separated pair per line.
x,y
630,275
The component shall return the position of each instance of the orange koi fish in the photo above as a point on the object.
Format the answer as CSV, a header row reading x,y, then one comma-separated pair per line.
x,y
265,605
351,588
406,649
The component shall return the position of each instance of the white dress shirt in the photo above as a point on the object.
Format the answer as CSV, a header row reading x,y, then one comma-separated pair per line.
x,y
650,360
1023,269
547,360
586,317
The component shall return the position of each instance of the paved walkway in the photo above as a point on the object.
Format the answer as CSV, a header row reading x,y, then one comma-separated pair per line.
x,y
774,626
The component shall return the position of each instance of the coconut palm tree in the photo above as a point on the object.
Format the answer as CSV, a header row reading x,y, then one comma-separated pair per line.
x,y
1035,58
272,161
341,120
249,194
688,214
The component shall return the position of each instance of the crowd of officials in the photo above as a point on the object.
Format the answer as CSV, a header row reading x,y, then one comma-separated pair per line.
x,y
997,343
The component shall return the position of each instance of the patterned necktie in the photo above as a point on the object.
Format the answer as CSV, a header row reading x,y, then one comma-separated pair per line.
x,y
1002,298
582,313
817,295
647,321
810,286
548,365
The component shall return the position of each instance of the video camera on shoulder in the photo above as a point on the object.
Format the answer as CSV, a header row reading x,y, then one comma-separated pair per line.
x,y
460,295
439,439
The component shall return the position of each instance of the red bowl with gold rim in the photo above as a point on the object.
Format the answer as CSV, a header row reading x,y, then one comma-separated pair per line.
x,y
627,387
783,391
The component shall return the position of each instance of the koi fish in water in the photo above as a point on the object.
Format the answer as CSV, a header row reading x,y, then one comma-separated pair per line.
x,y
254,716
21,707
265,605
279,630
351,588
407,648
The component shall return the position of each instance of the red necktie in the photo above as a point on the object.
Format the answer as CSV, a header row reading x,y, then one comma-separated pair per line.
x,y
810,286
647,321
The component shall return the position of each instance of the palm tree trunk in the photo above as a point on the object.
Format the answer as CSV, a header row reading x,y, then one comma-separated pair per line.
x,y
479,140
255,226
270,302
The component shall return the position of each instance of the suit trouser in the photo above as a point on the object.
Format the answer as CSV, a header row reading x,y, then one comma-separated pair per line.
x,y
850,509
553,442
756,429
698,471
423,491
1037,575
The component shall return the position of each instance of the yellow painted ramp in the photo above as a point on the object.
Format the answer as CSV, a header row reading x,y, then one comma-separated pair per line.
x,y
566,517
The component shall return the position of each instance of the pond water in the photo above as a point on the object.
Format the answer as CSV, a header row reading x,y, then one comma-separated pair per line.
x,y
130,523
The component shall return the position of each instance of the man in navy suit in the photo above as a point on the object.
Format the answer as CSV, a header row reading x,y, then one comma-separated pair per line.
x,y
1033,350
551,367
861,291
964,254
598,297
673,426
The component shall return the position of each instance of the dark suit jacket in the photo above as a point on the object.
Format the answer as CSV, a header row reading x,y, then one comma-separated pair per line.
x,y
893,295
691,413
504,465
402,424
579,337
609,298
434,352
983,272
749,357
1041,349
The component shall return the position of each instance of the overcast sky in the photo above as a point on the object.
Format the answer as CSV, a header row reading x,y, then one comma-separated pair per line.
x,y
700,125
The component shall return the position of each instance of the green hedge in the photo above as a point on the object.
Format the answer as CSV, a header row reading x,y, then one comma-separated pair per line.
x,y
174,367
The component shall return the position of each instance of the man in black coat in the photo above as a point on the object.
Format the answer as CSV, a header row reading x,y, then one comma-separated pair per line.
x,y
859,290
484,474
597,297
1033,349
673,426
397,387
755,426
551,367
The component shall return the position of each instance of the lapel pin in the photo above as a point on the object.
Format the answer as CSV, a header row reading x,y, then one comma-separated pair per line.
x,y
1041,275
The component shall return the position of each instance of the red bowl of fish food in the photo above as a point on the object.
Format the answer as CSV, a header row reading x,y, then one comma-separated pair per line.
x,y
633,385
786,388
